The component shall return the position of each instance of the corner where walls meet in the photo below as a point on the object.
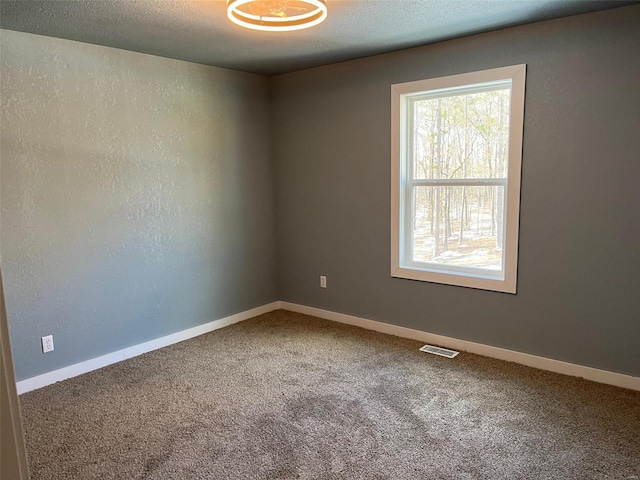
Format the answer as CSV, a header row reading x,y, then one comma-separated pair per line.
x,y
137,197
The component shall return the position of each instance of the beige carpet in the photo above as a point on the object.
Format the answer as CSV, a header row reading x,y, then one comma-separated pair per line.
x,y
286,396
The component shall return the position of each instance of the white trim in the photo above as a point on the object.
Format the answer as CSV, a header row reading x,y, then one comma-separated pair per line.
x,y
403,183
589,373
49,378
542,363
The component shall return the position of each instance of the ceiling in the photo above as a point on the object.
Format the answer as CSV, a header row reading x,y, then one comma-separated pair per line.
x,y
199,31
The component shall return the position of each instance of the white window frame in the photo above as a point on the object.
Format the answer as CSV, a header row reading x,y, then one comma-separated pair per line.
x,y
401,184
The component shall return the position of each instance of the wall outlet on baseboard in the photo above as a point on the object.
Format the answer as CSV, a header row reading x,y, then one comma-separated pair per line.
x,y
47,344
323,281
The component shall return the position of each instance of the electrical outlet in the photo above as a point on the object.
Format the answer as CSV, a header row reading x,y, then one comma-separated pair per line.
x,y
47,344
323,281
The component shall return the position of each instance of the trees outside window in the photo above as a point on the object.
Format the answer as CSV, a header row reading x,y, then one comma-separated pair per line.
x,y
456,160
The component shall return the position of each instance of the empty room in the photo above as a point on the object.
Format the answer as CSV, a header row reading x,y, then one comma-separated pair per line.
x,y
320,239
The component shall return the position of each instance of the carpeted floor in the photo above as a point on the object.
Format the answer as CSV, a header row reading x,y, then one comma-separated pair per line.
x,y
286,396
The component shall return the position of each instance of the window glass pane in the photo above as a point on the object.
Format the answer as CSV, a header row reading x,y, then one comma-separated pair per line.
x,y
461,226
462,136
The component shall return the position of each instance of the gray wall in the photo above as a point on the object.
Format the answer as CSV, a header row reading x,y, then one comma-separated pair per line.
x,y
578,291
137,197
137,194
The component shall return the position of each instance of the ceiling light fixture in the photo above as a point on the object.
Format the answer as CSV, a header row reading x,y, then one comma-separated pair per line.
x,y
277,15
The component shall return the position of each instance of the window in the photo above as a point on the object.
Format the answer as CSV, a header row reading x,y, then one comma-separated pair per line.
x,y
456,158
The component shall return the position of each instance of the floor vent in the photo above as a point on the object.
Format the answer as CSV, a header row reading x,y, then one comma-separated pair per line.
x,y
443,352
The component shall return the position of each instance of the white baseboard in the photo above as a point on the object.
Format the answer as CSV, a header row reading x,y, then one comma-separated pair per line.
x,y
593,374
54,376
557,366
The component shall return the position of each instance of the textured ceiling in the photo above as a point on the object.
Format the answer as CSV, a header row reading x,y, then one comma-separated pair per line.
x,y
198,30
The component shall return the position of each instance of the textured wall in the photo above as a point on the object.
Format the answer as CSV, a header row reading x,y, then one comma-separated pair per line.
x,y
137,197
578,283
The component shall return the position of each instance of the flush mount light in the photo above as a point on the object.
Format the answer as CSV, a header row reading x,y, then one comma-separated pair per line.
x,y
277,15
